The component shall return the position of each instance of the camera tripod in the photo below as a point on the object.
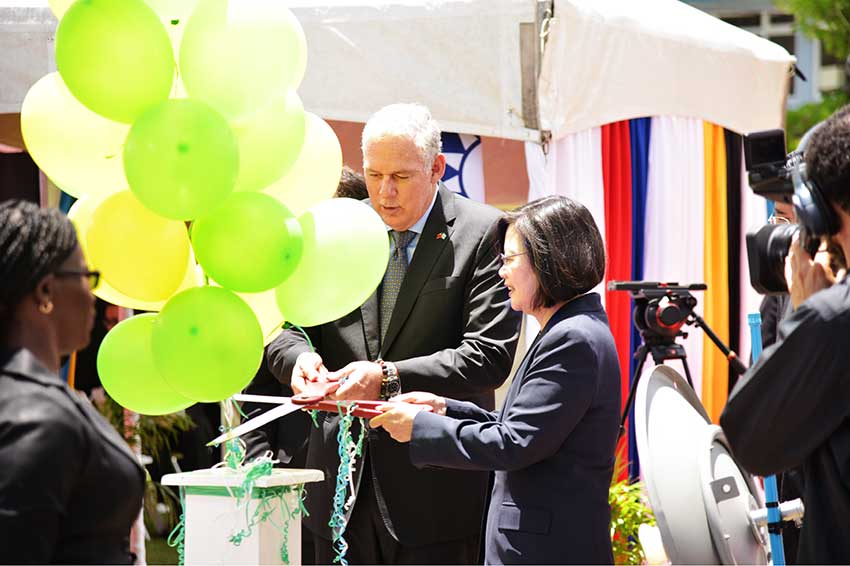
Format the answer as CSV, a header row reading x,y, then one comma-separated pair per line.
x,y
660,324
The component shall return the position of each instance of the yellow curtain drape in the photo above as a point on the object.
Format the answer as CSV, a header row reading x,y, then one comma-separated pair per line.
x,y
715,367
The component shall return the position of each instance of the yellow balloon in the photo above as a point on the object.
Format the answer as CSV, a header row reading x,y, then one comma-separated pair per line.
x,y
173,14
112,295
270,141
301,61
345,255
81,214
142,255
267,312
59,7
315,174
81,152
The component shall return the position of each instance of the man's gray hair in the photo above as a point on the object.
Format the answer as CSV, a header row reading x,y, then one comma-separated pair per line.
x,y
411,121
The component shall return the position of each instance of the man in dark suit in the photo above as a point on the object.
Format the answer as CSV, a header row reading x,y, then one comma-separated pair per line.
x,y
439,322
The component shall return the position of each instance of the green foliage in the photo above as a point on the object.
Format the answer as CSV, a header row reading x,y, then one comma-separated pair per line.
x,y
156,433
800,120
162,508
628,512
825,20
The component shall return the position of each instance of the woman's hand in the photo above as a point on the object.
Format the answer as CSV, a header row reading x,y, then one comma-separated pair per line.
x,y
398,418
437,404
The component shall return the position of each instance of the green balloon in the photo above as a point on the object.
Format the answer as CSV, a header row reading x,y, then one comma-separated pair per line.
x,y
115,57
249,244
181,159
207,343
270,142
237,55
346,249
127,371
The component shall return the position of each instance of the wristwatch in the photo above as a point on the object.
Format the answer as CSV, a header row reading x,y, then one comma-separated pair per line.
x,y
390,383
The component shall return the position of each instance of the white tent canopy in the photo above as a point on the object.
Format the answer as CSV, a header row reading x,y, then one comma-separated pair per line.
x,y
473,62
461,58
610,60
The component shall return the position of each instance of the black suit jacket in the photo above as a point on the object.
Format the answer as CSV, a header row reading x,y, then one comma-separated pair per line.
x,y
452,332
552,444
70,489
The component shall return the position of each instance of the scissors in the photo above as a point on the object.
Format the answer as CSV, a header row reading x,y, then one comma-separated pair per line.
x,y
314,398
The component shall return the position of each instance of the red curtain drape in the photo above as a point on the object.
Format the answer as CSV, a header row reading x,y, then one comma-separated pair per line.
x,y
617,179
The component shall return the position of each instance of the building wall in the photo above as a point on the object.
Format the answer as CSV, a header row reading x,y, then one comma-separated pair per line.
x,y
505,177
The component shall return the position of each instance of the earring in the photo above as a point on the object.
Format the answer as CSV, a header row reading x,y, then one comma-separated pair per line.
x,y
46,307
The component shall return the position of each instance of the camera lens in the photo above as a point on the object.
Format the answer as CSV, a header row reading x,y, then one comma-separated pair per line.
x,y
766,251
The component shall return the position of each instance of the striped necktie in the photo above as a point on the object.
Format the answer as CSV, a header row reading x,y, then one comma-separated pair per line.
x,y
396,268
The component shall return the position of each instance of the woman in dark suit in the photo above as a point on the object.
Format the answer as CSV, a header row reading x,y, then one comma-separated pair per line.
x,y
70,489
552,444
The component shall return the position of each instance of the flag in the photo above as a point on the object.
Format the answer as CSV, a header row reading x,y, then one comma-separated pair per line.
x,y
464,166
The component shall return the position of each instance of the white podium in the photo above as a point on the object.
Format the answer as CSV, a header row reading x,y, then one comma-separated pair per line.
x,y
213,514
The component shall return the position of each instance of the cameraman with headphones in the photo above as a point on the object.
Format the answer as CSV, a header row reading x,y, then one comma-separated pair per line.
x,y
792,408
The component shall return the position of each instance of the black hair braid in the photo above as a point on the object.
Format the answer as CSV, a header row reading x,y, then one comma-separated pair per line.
x,y
34,242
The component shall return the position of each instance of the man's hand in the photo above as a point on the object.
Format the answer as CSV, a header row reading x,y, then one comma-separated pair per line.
x,y
437,403
806,276
309,367
398,419
360,381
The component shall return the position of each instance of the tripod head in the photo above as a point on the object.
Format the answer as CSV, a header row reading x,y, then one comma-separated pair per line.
x,y
661,309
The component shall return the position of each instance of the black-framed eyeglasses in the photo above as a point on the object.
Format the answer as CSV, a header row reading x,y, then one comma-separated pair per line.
x,y
93,276
504,258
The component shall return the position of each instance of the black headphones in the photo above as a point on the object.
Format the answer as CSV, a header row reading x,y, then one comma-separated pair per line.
x,y
811,206
813,209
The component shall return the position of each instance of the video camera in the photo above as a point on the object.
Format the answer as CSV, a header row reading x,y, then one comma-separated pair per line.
x,y
782,177
769,169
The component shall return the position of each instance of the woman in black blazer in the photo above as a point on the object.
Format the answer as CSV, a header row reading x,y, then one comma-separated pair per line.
x,y
552,444
70,489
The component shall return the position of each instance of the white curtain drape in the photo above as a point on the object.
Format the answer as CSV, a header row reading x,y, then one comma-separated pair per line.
x,y
674,230
573,168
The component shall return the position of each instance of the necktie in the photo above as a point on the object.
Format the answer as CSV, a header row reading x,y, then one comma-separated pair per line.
x,y
396,268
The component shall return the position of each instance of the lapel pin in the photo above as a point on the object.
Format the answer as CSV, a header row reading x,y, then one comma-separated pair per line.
x,y
441,236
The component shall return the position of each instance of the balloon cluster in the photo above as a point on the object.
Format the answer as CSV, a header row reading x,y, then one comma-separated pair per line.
x,y
203,188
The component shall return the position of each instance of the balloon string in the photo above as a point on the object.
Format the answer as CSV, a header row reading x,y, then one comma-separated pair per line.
x,y
177,536
257,469
348,453
288,325
234,449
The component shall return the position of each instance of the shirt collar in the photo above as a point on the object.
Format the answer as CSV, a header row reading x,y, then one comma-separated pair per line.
x,y
420,224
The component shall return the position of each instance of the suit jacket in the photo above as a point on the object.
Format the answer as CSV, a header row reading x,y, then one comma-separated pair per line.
x,y
552,444
70,489
792,409
452,332
286,438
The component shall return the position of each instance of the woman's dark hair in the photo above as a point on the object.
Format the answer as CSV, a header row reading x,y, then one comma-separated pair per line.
x,y
34,242
564,246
